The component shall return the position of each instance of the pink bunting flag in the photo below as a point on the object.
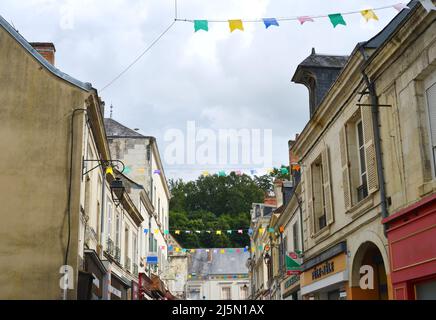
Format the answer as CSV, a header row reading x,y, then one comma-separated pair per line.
x,y
240,231
400,6
304,19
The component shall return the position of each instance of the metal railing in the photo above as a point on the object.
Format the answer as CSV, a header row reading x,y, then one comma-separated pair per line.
x,y
117,254
128,264
110,246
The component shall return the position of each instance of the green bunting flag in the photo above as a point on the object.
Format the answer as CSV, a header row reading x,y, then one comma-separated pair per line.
x,y
201,25
337,19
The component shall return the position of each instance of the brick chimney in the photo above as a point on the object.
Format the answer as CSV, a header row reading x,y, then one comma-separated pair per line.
x,y
46,49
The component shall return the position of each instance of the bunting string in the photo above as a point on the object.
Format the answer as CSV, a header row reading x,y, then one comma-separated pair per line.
x,y
335,18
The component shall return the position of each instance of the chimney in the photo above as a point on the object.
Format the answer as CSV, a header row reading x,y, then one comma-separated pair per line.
x,y
318,72
45,49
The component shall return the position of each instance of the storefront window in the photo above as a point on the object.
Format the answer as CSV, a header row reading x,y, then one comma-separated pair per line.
x,y
426,290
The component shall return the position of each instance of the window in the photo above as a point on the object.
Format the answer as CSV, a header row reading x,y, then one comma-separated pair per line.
x,y
126,245
135,248
431,105
244,292
362,190
109,220
226,293
118,231
295,237
359,172
319,194
319,202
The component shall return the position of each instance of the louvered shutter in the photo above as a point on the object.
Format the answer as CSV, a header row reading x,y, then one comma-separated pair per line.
x,y
345,163
431,102
309,194
327,186
371,164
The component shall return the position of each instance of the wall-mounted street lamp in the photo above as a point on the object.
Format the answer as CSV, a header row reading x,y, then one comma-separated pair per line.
x,y
104,164
116,185
117,191
267,258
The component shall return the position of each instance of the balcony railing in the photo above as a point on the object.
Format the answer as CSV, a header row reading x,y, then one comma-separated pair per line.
x,y
117,254
110,248
128,264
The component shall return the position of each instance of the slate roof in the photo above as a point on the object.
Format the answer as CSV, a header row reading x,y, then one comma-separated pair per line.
x,y
116,129
47,65
221,264
324,61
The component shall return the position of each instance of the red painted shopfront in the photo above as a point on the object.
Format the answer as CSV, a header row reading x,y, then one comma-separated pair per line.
x,y
412,250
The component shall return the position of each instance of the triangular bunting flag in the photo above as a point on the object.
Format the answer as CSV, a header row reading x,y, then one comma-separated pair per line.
x,y
110,170
270,22
305,19
201,25
401,6
337,19
236,25
369,14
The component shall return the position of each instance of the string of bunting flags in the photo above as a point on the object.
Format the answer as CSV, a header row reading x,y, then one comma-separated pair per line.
x,y
216,232
336,19
220,173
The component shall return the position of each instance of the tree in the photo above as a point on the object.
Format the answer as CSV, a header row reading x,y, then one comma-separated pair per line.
x,y
213,203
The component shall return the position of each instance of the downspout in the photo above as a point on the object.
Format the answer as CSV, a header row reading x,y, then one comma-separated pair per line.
x,y
377,138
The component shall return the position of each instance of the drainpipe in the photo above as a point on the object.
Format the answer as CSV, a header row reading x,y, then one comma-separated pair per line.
x,y
377,139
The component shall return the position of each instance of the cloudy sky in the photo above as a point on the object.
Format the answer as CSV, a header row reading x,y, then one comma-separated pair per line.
x,y
218,79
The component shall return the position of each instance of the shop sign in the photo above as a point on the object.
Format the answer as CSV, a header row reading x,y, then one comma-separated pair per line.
x,y
323,270
292,281
293,265
152,260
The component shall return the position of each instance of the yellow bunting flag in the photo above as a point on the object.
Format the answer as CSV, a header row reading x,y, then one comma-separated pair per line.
x,y
192,250
223,251
261,230
369,14
156,231
110,170
177,249
219,232
206,174
177,231
236,25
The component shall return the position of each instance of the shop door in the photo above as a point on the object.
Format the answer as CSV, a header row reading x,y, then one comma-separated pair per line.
x,y
334,295
426,291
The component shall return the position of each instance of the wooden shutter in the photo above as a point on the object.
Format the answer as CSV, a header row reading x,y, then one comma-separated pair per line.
x,y
345,163
327,186
371,164
309,193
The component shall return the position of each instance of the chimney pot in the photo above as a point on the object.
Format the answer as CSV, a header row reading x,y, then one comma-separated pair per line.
x,y
45,49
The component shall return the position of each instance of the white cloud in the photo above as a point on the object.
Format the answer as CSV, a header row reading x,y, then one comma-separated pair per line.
x,y
219,79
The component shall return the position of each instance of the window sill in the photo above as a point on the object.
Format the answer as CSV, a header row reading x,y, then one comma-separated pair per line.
x,y
321,234
361,207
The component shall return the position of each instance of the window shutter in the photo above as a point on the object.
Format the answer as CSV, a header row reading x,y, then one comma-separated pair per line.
x,y
345,163
327,186
371,165
309,194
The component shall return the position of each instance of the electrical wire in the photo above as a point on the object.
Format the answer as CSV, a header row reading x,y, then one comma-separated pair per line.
x,y
139,57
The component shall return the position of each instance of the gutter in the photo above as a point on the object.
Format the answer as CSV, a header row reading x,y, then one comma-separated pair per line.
x,y
377,138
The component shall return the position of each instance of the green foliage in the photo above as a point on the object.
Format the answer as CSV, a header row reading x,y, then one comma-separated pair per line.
x,y
214,203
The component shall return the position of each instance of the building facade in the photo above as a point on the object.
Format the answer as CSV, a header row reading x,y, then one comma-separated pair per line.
x,y
218,274
362,170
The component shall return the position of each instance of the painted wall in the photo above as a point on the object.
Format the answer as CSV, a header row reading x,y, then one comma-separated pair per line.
x,y
36,112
